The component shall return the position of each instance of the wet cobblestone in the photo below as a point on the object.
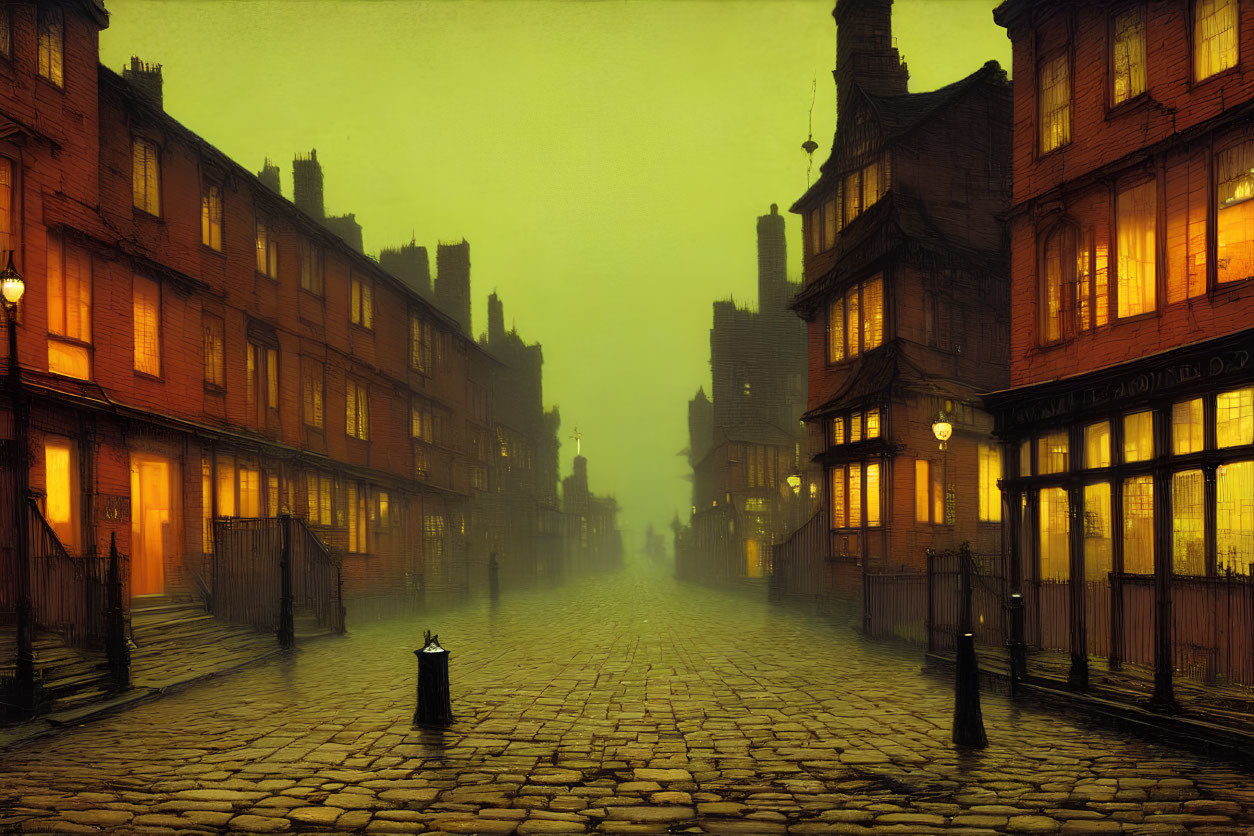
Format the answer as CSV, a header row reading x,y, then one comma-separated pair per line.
x,y
629,704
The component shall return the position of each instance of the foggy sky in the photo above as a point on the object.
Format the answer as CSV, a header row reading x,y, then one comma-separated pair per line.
x,y
606,160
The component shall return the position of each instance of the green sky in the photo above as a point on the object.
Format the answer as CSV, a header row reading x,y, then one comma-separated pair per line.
x,y
606,160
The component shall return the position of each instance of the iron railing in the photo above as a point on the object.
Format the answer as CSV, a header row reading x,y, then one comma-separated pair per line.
x,y
69,595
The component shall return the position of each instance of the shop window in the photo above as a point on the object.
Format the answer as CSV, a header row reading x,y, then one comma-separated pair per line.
x,y
357,405
312,276
1138,525
145,176
311,383
1097,445
61,497
1136,221
1188,545
1234,518
1186,427
1234,418
1214,37
267,248
211,215
1054,95
1025,457
989,461
1138,436
1052,453
51,44
146,307
1128,59
872,423
1234,221
215,351
1097,532
361,303
69,309
1055,538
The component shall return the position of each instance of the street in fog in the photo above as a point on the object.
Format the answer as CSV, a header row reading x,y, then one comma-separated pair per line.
x,y
626,703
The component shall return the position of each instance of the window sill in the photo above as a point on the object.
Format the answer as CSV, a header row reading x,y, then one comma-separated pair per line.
x,y
1056,151
214,389
139,212
268,277
365,329
1137,103
1222,74
147,376
321,297
205,248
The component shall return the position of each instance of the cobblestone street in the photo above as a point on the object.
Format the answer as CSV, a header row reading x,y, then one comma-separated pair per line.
x,y
628,704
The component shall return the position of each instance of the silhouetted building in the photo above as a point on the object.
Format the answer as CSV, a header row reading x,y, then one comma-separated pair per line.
x,y
269,176
410,264
593,541
308,196
145,79
906,298
452,281
751,484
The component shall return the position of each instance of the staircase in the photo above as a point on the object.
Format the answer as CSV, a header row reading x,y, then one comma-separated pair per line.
x,y
67,677
175,639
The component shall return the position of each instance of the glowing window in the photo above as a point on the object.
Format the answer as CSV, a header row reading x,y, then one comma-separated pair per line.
x,y
69,309
837,478
1234,518
851,189
6,192
226,486
361,303
1214,37
1052,453
1055,536
1138,436
1186,427
1097,445
1234,222
873,495
855,495
146,307
1187,201
356,519
215,351
872,313
272,378
922,490
420,344
1129,54
357,410
51,45
838,430
385,512
61,490
211,215
1187,542
830,224
1097,532
1234,418
1058,282
1025,457
1054,95
872,423
1136,222
1138,525
855,427
420,423
145,176
206,505
311,267
836,330
267,248
989,472
249,490
851,332
311,392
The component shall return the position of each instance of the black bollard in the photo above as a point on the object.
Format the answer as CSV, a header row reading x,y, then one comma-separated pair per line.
x,y
435,706
1018,653
968,722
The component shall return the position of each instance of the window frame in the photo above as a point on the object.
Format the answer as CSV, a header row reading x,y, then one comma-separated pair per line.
x,y
357,395
1112,74
208,185
1192,45
43,9
313,253
361,301
262,221
1048,57
158,180
313,369
214,385
1115,278
160,336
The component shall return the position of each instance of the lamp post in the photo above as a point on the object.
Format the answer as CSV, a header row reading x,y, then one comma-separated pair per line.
x,y
12,288
942,429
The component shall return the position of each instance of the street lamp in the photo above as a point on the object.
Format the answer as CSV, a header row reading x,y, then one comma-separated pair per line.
x,y
942,429
12,288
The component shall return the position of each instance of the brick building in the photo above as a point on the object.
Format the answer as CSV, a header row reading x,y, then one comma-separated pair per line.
x,y
1129,424
195,346
591,537
750,483
905,294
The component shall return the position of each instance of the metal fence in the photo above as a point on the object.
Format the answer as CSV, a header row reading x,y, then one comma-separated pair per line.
x,y
799,564
967,593
69,595
894,605
317,581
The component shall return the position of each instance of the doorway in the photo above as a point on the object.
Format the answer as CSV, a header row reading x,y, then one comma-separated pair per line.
x,y
154,521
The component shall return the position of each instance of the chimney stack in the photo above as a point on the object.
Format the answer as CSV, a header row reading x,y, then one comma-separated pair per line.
x,y
307,184
269,175
865,55
146,80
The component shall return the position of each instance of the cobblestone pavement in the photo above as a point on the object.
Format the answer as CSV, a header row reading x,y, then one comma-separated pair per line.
x,y
628,704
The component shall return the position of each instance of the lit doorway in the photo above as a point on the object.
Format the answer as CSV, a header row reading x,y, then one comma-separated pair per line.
x,y
154,521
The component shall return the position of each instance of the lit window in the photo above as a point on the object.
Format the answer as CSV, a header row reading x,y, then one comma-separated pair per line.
x,y
873,495
420,423
938,496
61,490
836,330
922,490
206,505
838,497
145,176
6,193
990,472
1138,437
147,325
1234,418
311,392
872,423
272,495
1054,95
311,267
1025,457
318,499
272,378
69,309
1138,525
357,403
1129,54
249,490
1186,427
6,31
829,222
1098,560
215,352
385,511
853,349
872,313
851,191
1188,545
1068,286
1234,222
838,430
1052,287
855,427
361,304
1097,445
1051,453
356,519
1055,537
226,486
1234,518
420,344
267,249
211,215
420,462
51,44
861,189
1214,37
855,495
1187,202
1136,219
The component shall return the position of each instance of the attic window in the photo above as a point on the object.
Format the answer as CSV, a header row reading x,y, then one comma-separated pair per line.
x,y
51,44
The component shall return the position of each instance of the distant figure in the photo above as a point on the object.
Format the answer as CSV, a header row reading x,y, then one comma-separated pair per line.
x,y
494,586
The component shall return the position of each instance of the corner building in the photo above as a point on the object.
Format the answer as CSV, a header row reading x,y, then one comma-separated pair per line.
x,y
1129,424
905,294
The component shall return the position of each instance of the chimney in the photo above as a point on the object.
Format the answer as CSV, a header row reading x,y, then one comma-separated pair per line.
x,y
269,176
496,321
452,282
307,184
145,79
409,264
772,262
865,55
